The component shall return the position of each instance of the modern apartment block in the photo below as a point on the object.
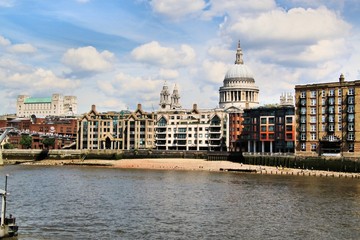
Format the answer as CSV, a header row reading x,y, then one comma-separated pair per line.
x,y
56,105
326,118
191,129
269,129
116,130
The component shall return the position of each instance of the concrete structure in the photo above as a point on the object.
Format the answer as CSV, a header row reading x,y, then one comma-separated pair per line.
x,y
56,105
239,89
191,129
269,129
327,118
116,130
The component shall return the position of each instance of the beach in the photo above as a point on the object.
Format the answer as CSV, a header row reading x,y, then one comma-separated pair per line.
x,y
194,165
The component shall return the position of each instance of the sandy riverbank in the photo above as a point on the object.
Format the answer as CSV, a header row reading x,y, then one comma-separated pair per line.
x,y
194,165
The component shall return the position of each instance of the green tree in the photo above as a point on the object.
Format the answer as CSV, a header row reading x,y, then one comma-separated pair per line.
x,y
48,142
26,141
8,146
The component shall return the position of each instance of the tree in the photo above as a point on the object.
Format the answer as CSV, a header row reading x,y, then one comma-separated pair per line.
x,y
48,142
8,146
26,141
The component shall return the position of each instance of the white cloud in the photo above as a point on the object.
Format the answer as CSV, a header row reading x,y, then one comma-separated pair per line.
x,y
38,80
88,59
155,54
4,41
297,25
176,9
214,72
168,73
22,48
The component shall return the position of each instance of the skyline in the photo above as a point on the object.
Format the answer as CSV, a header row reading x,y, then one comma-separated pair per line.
x,y
116,54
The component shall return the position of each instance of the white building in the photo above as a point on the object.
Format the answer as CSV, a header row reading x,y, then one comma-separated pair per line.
x,y
56,105
239,89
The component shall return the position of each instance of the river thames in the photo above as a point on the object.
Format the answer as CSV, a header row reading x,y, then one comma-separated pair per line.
x,y
70,202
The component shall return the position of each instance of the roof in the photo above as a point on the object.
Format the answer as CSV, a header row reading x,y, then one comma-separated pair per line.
x,y
38,100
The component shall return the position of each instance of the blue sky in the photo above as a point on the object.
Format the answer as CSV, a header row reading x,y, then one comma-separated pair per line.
x,y
118,53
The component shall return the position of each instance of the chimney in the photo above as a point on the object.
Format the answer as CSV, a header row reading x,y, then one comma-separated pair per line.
x,y
93,108
139,106
342,78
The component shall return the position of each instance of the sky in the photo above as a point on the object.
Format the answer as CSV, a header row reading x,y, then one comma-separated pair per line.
x,y
118,53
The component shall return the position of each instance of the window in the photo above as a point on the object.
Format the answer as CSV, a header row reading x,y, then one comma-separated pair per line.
x,y
351,91
313,102
331,118
313,136
323,110
323,93
350,109
351,127
303,94
323,119
331,127
303,110
331,101
263,136
339,118
271,128
313,128
331,109
263,120
339,92
350,136
351,100
351,147
339,101
313,94
303,119
290,127
313,119
339,109
331,92
303,127
303,146
289,119
323,101
313,147
312,110
303,102
303,136
271,136
351,117
263,128
271,120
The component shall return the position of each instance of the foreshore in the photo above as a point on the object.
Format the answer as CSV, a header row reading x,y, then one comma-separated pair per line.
x,y
192,165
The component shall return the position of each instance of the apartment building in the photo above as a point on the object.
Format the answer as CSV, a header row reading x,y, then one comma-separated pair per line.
x,y
326,118
122,130
191,129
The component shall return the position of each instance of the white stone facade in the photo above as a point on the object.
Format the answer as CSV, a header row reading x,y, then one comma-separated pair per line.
x,y
191,129
56,105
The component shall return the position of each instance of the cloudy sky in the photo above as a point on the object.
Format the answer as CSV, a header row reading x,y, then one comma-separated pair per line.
x,y
118,53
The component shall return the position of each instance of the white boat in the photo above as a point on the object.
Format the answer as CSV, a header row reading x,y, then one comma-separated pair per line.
x,y
8,227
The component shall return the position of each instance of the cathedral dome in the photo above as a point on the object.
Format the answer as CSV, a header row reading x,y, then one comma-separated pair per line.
x,y
239,89
239,71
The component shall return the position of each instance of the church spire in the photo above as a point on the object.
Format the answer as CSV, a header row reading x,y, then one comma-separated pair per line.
x,y
239,55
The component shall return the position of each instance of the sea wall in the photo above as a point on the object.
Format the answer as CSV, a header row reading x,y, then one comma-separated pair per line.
x,y
311,163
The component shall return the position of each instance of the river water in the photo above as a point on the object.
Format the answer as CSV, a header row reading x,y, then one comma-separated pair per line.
x,y
70,202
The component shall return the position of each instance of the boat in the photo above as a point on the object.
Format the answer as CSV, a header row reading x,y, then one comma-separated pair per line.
x,y
8,227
